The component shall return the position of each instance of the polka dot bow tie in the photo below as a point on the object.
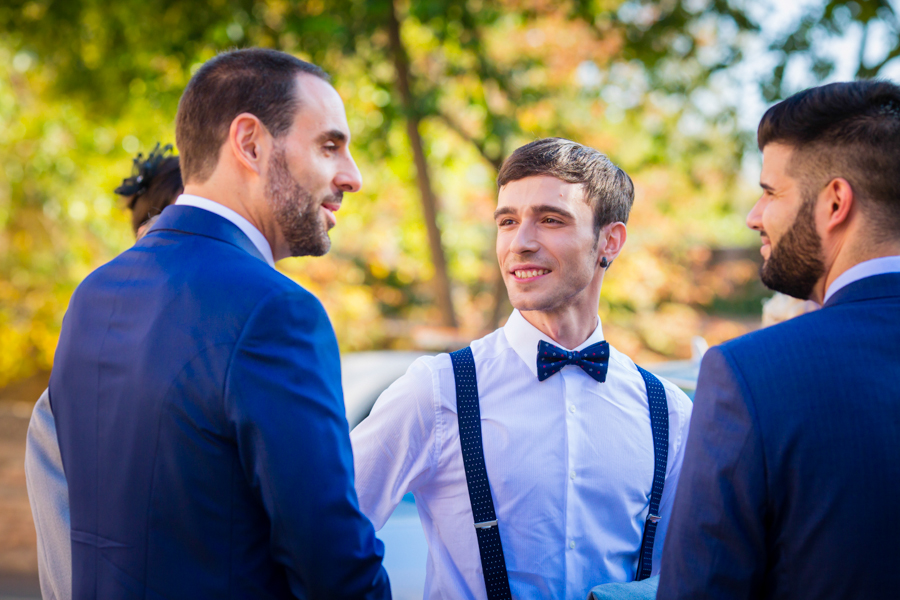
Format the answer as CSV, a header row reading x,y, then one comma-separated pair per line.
x,y
594,360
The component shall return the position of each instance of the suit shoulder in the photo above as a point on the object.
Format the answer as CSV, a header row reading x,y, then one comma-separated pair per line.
x,y
794,331
222,269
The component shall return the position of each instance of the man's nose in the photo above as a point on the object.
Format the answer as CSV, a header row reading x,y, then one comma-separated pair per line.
x,y
348,177
525,239
754,217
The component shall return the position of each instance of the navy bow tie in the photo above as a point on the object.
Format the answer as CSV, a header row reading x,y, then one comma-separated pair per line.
x,y
594,360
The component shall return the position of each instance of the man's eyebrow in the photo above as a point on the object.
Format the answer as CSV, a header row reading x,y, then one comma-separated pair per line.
x,y
334,135
538,208
766,187
549,208
503,210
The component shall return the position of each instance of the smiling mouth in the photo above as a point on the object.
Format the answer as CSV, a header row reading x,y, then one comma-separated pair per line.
x,y
529,273
330,209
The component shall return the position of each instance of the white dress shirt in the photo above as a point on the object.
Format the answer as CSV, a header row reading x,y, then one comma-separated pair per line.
x,y
570,463
867,268
258,239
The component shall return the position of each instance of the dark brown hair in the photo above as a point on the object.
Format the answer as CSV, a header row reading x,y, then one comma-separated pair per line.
x,y
258,81
849,130
155,183
164,189
608,190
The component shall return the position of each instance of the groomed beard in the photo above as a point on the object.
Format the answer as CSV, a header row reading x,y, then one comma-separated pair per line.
x,y
795,264
295,210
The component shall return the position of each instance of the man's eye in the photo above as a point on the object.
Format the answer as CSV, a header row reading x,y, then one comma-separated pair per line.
x,y
552,221
503,222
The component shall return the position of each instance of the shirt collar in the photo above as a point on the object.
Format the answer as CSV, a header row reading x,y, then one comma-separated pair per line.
x,y
258,239
524,337
867,268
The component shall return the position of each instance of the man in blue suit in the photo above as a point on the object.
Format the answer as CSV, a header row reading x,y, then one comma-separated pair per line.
x,y
792,468
196,390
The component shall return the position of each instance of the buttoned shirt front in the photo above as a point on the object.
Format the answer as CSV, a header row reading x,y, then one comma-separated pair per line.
x,y
570,463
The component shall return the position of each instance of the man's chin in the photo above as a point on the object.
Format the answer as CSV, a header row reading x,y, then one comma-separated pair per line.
x,y
800,288
304,248
530,302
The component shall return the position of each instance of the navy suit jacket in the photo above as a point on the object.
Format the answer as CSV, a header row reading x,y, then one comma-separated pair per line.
x,y
791,473
201,423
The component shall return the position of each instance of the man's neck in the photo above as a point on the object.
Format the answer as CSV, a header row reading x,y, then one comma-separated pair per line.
x,y
848,258
569,327
225,195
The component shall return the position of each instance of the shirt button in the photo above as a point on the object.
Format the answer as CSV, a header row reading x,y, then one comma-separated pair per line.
x,y
572,408
572,544
571,474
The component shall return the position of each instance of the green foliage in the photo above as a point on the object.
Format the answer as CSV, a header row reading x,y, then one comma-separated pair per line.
x,y
85,84
811,41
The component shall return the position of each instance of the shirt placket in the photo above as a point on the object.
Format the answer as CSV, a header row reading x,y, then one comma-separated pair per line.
x,y
574,532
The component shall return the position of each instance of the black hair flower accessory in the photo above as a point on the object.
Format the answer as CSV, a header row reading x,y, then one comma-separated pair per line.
x,y
143,171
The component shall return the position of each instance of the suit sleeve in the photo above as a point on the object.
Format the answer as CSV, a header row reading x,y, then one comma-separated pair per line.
x,y
283,396
715,546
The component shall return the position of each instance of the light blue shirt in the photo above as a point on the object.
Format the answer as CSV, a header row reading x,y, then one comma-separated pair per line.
x,y
868,268
48,494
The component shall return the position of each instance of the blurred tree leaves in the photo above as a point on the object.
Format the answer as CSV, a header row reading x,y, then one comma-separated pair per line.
x,y
811,44
85,84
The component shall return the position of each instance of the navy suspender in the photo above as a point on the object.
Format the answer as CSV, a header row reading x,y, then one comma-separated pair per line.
x,y
496,579
659,423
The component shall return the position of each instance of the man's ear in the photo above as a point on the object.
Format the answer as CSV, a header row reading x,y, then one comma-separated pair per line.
x,y
612,238
249,142
836,201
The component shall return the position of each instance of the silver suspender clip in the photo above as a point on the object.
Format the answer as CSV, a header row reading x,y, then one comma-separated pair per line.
x,y
489,524
653,518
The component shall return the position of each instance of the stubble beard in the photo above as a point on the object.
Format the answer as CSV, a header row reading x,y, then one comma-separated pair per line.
x,y
296,210
795,264
560,297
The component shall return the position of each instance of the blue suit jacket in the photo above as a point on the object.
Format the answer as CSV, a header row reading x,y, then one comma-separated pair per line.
x,y
201,424
791,474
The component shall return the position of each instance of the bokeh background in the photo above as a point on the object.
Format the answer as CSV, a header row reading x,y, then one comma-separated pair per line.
x,y
438,93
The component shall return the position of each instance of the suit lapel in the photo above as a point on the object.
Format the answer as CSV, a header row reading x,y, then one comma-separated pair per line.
x,y
886,285
196,221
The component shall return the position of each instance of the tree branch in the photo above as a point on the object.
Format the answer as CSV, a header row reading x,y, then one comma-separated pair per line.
x,y
457,128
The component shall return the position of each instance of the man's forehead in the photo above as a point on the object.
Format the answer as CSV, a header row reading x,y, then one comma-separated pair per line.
x,y
539,190
321,108
776,159
776,155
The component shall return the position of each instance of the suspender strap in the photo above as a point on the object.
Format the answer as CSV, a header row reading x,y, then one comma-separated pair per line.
x,y
493,565
659,422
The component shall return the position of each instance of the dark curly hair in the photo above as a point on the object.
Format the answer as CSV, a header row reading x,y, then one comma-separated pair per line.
x,y
155,183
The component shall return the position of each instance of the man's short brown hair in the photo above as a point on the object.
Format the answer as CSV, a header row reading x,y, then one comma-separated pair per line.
x,y
608,190
258,81
849,130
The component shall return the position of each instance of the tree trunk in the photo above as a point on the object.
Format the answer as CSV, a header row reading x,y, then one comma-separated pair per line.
x,y
423,177
501,306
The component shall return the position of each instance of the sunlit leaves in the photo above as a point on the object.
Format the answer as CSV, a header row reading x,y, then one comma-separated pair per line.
x,y
84,84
